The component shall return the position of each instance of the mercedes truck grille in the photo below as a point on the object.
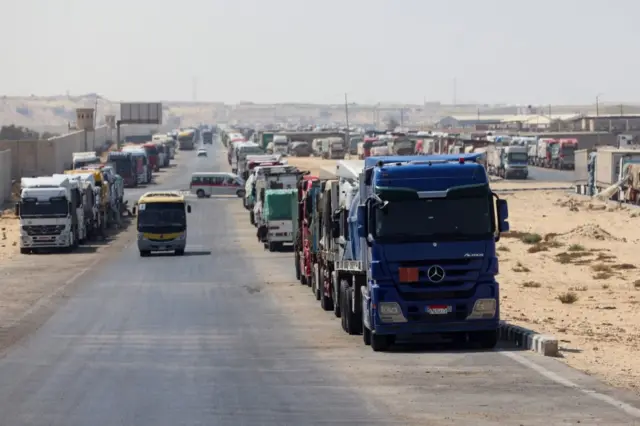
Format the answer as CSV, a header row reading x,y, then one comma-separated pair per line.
x,y
34,230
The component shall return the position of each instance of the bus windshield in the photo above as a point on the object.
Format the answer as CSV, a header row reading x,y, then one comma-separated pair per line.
x,y
162,218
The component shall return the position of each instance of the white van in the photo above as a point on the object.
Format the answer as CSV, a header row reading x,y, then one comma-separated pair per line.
x,y
206,184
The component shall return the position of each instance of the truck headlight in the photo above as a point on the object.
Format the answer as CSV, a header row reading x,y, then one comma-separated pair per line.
x,y
390,312
181,237
483,309
140,236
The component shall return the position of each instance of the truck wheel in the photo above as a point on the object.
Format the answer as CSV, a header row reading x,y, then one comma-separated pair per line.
x,y
179,252
366,336
252,218
315,282
485,339
303,276
200,193
351,322
343,313
380,343
355,318
297,265
25,251
335,292
326,302
144,253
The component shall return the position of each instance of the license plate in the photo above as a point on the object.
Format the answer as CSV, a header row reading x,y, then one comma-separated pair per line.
x,y
438,309
408,275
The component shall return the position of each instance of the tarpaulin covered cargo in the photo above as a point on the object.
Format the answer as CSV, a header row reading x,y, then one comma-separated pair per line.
x,y
278,204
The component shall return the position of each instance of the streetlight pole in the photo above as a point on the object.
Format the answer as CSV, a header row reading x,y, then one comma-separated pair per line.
x,y
598,104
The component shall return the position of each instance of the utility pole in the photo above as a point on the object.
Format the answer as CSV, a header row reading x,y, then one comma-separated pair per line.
x,y
598,104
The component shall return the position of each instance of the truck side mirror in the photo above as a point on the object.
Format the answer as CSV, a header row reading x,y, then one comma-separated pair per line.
x,y
188,209
17,209
362,221
134,210
503,216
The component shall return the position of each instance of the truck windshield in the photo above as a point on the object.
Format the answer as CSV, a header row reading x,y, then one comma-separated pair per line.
x,y
55,207
468,218
123,167
162,218
84,162
518,157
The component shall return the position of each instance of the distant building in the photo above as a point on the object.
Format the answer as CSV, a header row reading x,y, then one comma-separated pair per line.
x,y
604,123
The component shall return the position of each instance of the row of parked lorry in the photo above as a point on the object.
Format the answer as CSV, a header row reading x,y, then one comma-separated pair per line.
x,y
395,246
64,210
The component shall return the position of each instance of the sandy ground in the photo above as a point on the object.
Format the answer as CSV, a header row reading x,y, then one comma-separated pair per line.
x,y
9,235
569,268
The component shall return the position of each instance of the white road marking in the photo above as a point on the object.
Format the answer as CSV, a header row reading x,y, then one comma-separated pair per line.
x,y
622,406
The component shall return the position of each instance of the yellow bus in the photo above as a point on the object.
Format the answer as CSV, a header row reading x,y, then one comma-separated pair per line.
x,y
162,222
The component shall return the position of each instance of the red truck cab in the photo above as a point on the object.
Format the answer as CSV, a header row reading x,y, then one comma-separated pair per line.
x,y
304,247
152,153
367,145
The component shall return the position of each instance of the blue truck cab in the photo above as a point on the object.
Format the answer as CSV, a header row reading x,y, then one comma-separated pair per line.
x,y
422,251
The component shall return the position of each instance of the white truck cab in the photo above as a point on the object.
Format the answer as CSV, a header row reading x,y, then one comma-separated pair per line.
x,y
48,213
84,159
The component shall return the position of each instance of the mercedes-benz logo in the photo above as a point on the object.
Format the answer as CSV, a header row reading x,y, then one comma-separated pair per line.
x,y
435,274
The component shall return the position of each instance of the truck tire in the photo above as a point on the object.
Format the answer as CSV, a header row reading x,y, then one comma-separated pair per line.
x,y
485,339
252,217
303,277
25,251
326,302
144,253
315,281
366,336
179,252
335,290
352,323
380,342
296,260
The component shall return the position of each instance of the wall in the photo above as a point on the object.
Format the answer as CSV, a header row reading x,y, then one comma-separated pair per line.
x,y
46,157
5,175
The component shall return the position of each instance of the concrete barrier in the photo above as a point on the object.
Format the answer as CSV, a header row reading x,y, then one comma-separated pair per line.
x,y
5,176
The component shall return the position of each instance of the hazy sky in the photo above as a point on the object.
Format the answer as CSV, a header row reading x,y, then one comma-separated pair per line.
x,y
535,52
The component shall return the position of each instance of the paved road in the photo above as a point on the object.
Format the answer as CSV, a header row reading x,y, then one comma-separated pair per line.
x,y
223,336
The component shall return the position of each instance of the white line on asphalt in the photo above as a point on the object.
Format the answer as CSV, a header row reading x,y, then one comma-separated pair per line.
x,y
623,406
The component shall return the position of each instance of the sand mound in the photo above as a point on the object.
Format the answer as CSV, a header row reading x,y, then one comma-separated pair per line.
x,y
590,231
571,203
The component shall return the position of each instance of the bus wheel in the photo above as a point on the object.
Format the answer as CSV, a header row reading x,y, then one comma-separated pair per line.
x,y
200,193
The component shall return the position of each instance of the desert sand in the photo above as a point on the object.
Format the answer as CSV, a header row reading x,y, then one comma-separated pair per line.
x,y
568,268
9,235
